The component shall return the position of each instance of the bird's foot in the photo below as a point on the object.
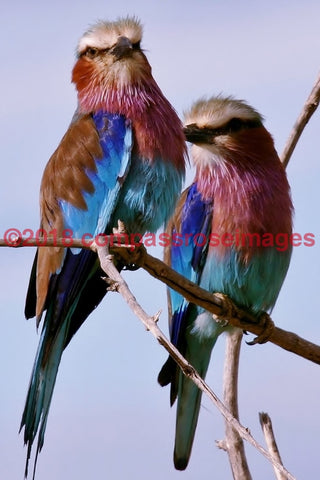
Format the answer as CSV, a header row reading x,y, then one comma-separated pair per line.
x,y
132,253
227,307
134,258
268,326
131,267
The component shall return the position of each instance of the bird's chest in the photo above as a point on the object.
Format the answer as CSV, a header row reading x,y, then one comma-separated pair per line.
x,y
148,195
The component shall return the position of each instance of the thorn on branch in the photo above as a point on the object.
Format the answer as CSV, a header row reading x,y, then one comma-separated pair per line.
x,y
222,444
113,284
156,316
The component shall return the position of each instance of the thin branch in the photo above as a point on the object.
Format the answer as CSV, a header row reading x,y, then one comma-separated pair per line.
x,y
214,304
233,442
266,425
119,284
309,108
194,294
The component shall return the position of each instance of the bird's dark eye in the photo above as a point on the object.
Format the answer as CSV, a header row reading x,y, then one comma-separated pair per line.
x,y
91,52
136,46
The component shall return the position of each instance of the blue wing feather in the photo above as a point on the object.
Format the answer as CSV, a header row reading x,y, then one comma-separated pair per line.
x,y
192,329
189,258
115,135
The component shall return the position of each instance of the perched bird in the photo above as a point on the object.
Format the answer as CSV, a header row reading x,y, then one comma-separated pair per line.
x,y
224,224
123,157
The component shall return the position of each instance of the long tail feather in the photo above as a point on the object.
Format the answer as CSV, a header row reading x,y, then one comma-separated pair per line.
x,y
62,320
40,391
187,418
189,398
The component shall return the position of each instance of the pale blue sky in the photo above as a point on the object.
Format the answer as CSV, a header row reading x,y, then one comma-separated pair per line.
x,y
109,418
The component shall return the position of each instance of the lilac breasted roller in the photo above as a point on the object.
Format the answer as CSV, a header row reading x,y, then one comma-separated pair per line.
x,y
122,158
227,224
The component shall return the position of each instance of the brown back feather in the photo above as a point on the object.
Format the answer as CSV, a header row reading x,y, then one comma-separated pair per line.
x,y
64,178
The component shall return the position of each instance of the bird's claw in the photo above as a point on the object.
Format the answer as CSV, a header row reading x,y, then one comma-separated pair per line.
x,y
131,267
268,326
227,309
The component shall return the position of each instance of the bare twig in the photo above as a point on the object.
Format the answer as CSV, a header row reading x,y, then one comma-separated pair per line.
x,y
309,108
266,425
188,370
234,443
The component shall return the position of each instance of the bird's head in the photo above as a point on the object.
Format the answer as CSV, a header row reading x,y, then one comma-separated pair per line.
x,y
109,57
224,128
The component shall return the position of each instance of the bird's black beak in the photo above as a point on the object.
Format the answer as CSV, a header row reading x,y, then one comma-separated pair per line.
x,y
197,135
123,48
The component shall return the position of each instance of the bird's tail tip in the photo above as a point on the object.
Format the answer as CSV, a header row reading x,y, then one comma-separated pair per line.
x,y
180,463
165,374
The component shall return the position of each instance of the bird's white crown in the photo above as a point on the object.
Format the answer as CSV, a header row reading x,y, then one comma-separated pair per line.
x,y
104,35
217,111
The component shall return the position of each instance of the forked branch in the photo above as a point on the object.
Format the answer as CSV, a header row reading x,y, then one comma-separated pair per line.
x,y
150,322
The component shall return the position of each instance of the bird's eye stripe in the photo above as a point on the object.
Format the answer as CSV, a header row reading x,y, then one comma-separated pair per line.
x,y
236,124
136,45
232,126
93,51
